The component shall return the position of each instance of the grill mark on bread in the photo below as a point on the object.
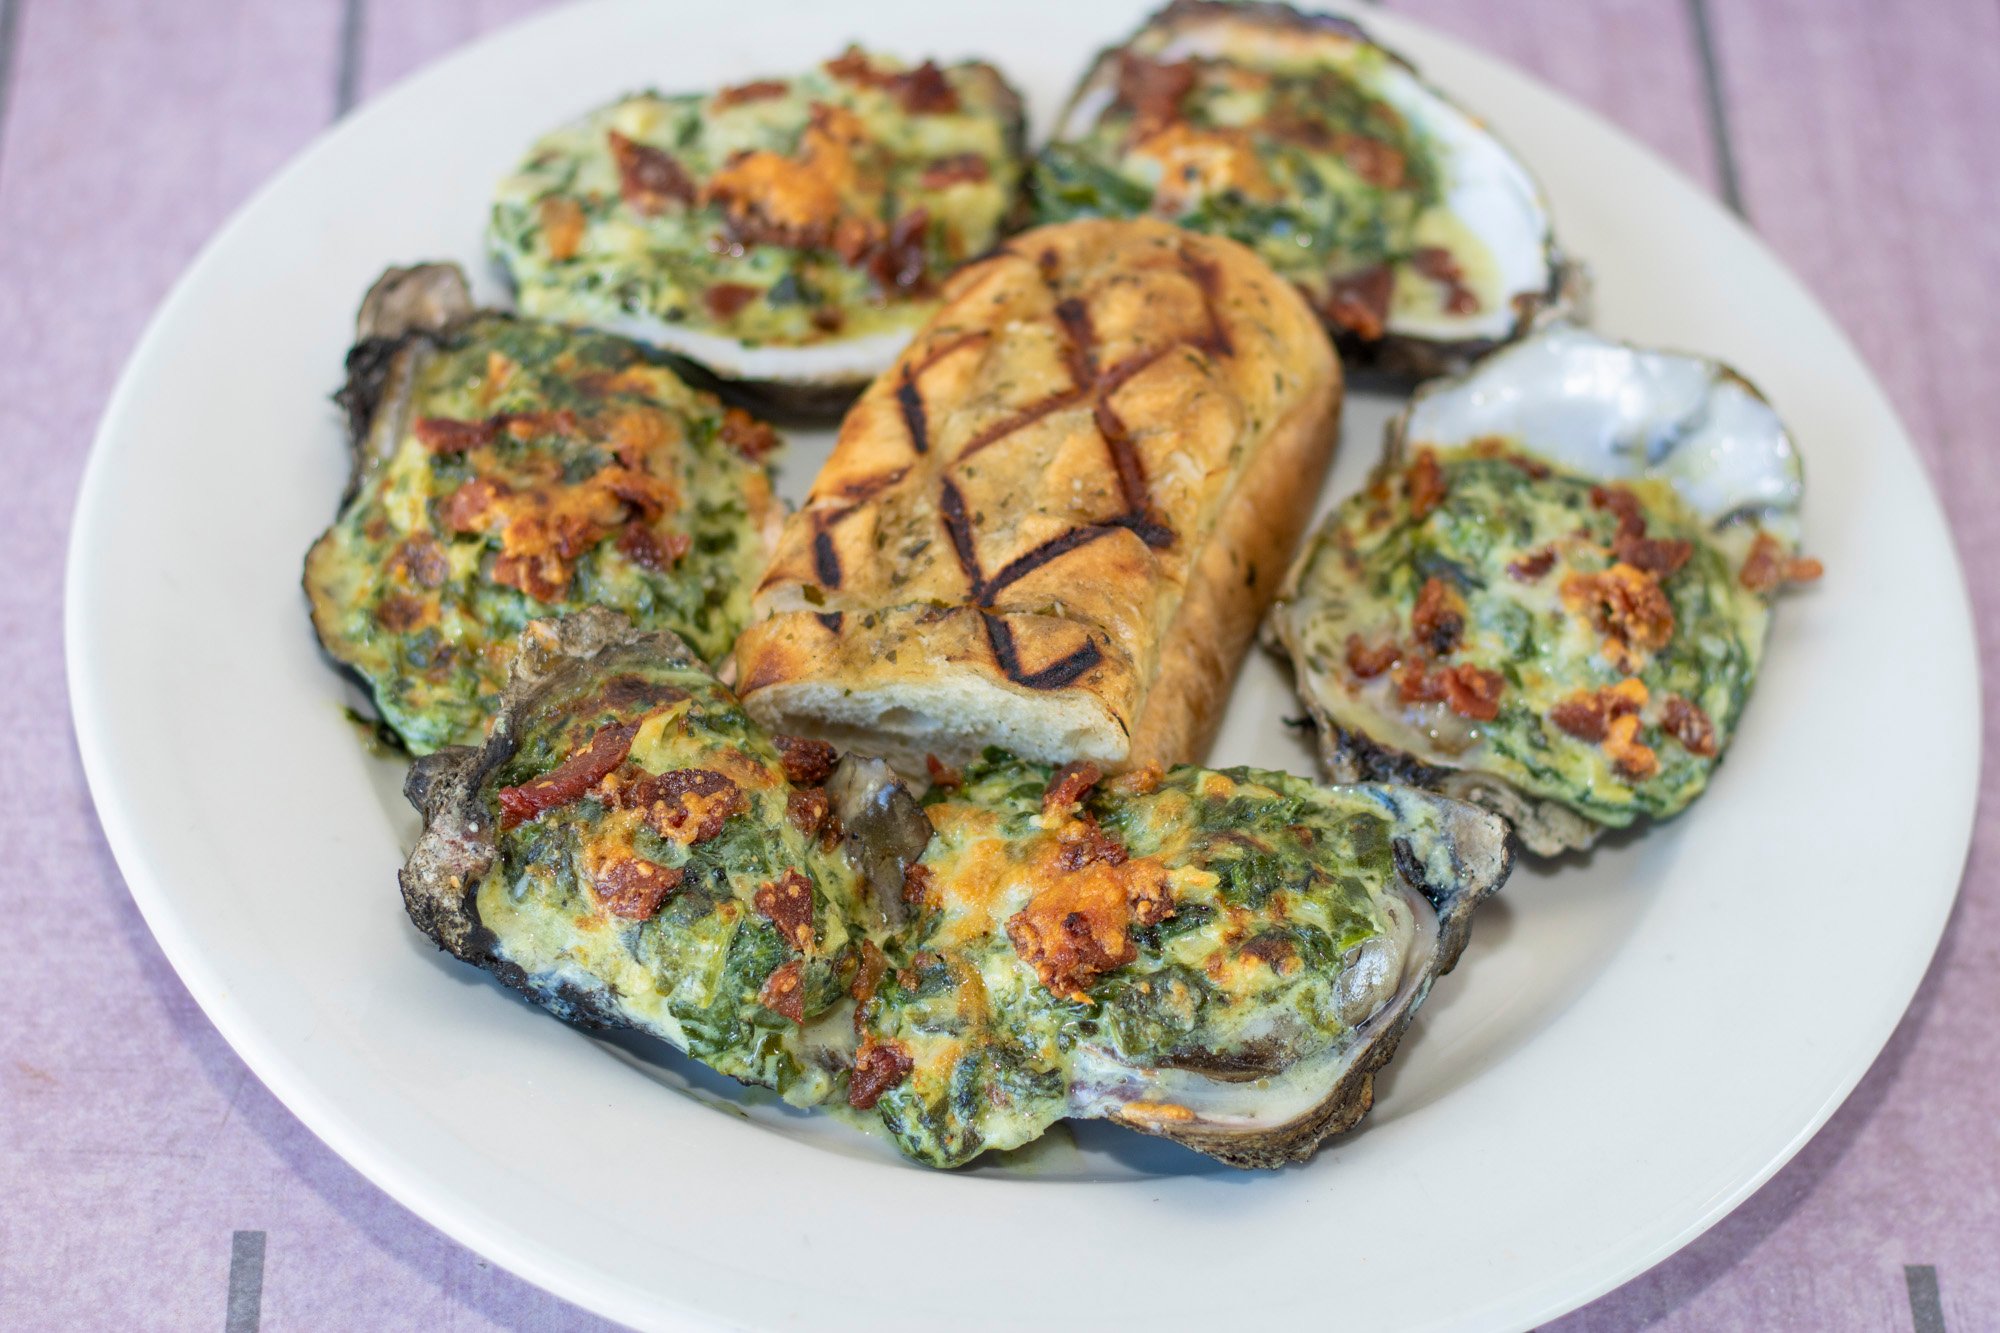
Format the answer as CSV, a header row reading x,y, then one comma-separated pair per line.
x,y
1059,674
911,400
951,511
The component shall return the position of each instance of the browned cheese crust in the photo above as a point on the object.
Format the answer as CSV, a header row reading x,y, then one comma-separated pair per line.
x,y
1055,522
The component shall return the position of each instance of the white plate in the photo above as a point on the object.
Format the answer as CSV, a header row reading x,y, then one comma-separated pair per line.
x,y
1632,1044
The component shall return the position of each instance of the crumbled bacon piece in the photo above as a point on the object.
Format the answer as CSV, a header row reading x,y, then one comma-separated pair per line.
x,y
1359,301
1084,842
897,262
1368,661
757,91
1585,715
465,509
807,809
807,762
943,775
923,90
1626,608
1072,950
643,546
1632,758
443,435
1622,505
953,170
868,974
1768,568
1066,789
633,887
1276,951
649,178
1439,617
1660,557
1532,566
422,560
784,992
1416,683
725,300
878,1067
1426,483
746,435
917,884
1153,91
1441,266
569,779
542,575
787,903
1472,691
685,805
1685,721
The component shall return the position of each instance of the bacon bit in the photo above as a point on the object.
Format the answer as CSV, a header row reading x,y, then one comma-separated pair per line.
x,y
684,805
1660,557
1084,842
956,169
1627,610
400,613
943,775
1379,164
1077,928
1417,684
788,905
1632,758
807,763
725,300
1426,484
878,1067
645,547
1585,715
422,560
1067,788
1369,661
1276,951
807,808
828,319
784,992
648,178
1440,266
921,91
867,979
898,261
1141,781
1623,505
1439,617
742,93
799,202
917,885
1153,91
1359,302
1768,568
745,434
634,888
569,779
543,577
562,226
1532,566
527,425
1685,721
442,435
1472,691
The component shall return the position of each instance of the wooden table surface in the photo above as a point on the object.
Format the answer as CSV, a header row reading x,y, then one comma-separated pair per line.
x,y
1861,140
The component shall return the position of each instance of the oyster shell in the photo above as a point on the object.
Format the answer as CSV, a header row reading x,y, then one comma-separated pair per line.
x,y
1555,596
787,235
1419,237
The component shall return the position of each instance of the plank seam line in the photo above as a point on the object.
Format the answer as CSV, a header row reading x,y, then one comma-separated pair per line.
x,y
1718,107
347,76
9,13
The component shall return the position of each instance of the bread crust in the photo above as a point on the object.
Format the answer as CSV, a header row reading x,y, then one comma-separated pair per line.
x,y
1054,523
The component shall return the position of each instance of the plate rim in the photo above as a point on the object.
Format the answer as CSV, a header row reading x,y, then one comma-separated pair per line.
x,y
376,1160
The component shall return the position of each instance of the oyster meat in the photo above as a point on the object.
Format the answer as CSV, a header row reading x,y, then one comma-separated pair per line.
x,y
786,234
506,469
1554,597
1222,958
1417,235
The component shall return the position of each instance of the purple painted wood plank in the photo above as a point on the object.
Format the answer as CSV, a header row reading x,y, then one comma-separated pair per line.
x,y
133,1143
1634,62
1866,150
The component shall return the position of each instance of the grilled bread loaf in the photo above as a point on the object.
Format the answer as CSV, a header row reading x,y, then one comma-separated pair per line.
x,y
1053,524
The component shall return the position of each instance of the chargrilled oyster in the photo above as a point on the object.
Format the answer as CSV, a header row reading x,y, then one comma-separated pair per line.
x,y
627,850
1416,234
1554,597
506,469
788,233
1221,958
